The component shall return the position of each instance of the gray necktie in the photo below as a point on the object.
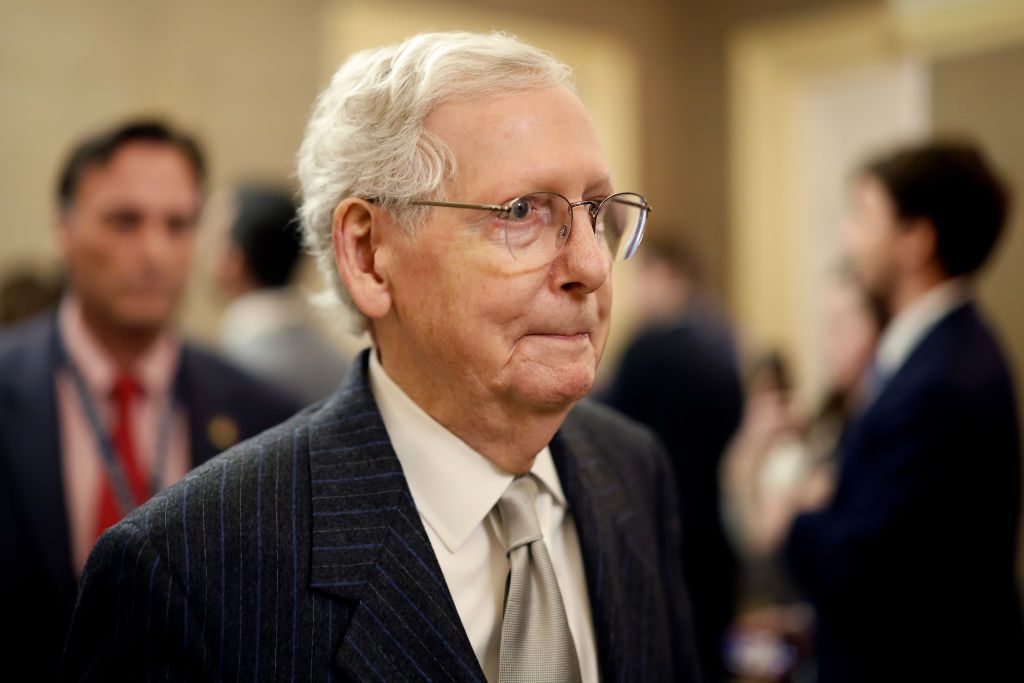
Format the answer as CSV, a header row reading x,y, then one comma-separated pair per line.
x,y
536,644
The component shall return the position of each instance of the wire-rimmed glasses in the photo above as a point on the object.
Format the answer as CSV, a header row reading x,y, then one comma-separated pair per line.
x,y
537,225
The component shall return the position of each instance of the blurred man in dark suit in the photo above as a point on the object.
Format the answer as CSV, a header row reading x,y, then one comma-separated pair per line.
x,y
679,377
454,511
910,564
101,403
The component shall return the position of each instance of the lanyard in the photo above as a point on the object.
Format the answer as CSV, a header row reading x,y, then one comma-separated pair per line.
x,y
105,448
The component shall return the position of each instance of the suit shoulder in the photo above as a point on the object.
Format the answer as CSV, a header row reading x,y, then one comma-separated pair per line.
x,y
608,421
24,338
24,352
239,463
962,358
280,441
615,436
216,370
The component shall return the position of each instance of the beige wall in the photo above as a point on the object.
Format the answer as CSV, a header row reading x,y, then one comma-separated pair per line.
x,y
980,94
240,75
812,96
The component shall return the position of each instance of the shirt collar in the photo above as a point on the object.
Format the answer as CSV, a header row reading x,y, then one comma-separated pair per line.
x,y
911,325
154,371
454,486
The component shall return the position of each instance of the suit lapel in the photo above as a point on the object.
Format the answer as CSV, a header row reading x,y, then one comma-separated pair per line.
x,y
36,459
616,571
369,548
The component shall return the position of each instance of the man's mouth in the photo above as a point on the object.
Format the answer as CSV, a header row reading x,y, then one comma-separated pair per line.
x,y
566,336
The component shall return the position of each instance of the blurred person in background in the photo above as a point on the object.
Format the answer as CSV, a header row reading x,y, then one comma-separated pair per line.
x,y
778,454
266,327
910,561
776,448
101,403
679,376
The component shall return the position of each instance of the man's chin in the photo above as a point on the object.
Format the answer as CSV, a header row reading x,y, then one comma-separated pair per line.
x,y
557,390
143,321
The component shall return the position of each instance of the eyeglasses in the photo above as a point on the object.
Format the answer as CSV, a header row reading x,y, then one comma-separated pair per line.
x,y
536,226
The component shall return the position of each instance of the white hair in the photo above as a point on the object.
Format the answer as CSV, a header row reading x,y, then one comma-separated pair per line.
x,y
366,138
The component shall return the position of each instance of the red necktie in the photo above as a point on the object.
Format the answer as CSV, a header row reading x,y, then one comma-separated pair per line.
x,y
126,390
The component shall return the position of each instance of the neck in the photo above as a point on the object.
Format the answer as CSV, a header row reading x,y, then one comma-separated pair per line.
x,y
509,440
125,345
510,436
912,289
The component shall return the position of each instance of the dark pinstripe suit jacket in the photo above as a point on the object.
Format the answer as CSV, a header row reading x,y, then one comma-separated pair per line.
x,y
300,555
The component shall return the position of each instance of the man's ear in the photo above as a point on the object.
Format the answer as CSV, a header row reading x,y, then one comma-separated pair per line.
x,y
920,244
355,234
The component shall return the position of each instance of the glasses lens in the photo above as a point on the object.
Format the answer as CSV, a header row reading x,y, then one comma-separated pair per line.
x,y
536,226
621,220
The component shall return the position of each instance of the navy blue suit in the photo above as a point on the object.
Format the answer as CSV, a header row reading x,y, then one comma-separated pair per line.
x,y
911,566
300,555
37,583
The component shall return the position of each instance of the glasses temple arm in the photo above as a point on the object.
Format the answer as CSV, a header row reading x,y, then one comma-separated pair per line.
x,y
458,205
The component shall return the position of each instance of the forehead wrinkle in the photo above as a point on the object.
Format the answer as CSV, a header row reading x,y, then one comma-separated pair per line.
x,y
492,139
560,181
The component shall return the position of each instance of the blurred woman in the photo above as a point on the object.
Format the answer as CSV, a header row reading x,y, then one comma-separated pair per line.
x,y
779,460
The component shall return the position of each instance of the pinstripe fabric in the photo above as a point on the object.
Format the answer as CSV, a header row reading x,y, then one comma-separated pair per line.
x,y
300,556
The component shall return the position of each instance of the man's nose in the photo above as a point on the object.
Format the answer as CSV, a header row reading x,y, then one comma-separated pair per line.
x,y
156,241
584,260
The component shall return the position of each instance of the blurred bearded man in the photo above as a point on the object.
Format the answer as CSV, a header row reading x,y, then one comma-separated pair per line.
x,y
910,564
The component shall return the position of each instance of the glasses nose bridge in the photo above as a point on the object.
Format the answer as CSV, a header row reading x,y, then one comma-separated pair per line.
x,y
592,210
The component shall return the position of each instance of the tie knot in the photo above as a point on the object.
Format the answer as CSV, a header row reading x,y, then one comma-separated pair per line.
x,y
126,387
519,512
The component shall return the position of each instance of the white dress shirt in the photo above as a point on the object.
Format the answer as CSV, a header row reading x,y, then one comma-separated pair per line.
x,y
455,490
911,325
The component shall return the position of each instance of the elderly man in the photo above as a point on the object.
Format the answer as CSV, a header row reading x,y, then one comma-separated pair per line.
x,y
448,514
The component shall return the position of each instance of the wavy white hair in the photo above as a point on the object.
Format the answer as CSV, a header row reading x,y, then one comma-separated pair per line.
x,y
366,138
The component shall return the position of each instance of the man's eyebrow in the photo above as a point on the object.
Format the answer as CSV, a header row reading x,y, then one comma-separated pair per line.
x,y
535,183
601,186
121,212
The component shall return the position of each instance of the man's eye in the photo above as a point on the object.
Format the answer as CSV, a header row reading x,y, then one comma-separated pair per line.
x,y
123,221
519,210
179,224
